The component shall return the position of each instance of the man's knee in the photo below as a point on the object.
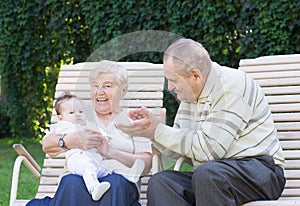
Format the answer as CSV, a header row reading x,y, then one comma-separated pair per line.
x,y
158,181
157,178
210,174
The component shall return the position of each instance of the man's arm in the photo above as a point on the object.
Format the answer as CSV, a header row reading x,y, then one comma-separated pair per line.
x,y
208,141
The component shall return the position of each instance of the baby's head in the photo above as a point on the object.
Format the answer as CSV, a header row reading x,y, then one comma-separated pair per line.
x,y
69,108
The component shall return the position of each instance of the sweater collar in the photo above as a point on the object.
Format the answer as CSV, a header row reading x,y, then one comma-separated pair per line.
x,y
212,79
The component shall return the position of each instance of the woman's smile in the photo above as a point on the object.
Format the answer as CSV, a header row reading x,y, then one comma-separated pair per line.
x,y
102,100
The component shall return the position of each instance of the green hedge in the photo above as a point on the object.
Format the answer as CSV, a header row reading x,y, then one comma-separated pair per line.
x,y
36,37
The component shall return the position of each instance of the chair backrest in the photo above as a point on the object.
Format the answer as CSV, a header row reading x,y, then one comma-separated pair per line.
x,y
279,78
146,83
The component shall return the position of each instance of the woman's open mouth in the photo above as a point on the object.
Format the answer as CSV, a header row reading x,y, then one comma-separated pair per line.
x,y
101,100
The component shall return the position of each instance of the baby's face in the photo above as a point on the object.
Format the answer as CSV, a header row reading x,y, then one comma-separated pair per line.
x,y
72,111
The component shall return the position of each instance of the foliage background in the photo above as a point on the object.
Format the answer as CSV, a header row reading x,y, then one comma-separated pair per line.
x,y
38,36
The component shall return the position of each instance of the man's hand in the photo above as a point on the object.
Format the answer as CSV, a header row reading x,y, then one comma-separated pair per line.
x,y
144,123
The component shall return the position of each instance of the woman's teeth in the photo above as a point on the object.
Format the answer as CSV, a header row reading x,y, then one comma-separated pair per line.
x,y
101,99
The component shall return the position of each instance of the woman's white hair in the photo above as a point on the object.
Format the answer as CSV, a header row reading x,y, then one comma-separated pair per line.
x,y
107,67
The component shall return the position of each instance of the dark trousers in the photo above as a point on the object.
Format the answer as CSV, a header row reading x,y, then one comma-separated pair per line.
x,y
216,183
72,192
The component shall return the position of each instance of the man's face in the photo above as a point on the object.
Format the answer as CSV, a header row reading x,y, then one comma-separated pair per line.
x,y
187,87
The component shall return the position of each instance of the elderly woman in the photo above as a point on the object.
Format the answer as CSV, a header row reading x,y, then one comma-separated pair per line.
x,y
108,83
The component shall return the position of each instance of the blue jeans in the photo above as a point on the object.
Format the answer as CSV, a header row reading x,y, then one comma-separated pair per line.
x,y
72,191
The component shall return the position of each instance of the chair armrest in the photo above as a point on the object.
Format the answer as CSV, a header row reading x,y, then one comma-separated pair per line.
x,y
180,161
157,164
15,177
20,149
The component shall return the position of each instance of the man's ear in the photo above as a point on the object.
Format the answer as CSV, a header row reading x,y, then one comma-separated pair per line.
x,y
59,117
196,74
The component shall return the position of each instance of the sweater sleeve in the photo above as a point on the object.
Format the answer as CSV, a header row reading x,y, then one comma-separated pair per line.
x,y
209,137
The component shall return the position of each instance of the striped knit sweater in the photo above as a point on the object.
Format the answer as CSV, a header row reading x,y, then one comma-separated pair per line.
x,y
230,120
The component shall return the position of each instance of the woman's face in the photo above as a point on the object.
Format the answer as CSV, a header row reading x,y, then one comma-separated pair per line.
x,y
106,93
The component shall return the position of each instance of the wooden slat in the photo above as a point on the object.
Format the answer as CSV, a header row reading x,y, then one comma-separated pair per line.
x,y
281,90
286,202
292,184
293,164
291,192
274,75
86,87
130,66
291,154
137,73
21,202
288,135
271,60
41,195
278,81
270,68
277,99
49,180
285,117
131,80
140,103
288,126
54,163
154,110
52,172
293,107
291,144
129,95
292,174
47,188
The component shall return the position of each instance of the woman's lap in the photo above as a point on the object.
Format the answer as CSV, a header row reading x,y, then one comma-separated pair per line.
x,y
72,191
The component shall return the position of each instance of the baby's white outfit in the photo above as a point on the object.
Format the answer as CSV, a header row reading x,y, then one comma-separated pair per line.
x,y
91,165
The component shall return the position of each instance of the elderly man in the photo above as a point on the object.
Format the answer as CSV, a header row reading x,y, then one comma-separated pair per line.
x,y
223,125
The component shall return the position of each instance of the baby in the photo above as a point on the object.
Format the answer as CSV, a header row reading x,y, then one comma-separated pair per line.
x,y
88,163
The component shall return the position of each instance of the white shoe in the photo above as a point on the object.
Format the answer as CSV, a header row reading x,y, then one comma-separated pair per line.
x,y
135,171
99,190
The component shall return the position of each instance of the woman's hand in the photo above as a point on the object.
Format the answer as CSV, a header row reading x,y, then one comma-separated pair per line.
x,y
104,148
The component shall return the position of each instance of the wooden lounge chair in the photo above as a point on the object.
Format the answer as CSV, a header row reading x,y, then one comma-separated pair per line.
x,y
146,82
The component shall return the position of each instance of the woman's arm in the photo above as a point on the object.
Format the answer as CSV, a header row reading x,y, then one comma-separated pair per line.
x,y
85,139
50,144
